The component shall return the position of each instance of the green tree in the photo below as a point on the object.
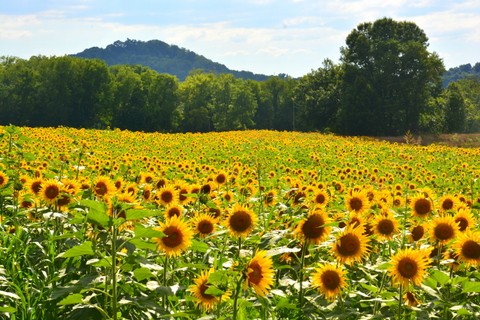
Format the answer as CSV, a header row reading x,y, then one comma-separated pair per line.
x,y
389,78
470,91
317,98
196,101
455,109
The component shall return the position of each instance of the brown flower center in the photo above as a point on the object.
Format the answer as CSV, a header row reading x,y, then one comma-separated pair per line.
x,y
240,221
101,188
444,231
204,287
471,249
173,237
205,227
447,204
417,233
255,275
423,206
356,204
462,223
167,196
348,245
312,228
385,227
330,279
320,199
51,192
407,268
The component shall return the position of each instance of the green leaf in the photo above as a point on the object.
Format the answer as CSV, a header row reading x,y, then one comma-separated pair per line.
x,y
142,244
97,213
75,298
199,246
135,214
430,282
471,286
214,291
83,249
440,276
143,232
142,274
8,309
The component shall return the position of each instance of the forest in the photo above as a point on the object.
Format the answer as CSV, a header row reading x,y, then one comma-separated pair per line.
x,y
386,83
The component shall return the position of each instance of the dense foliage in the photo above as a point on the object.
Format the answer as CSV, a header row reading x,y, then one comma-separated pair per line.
x,y
386,84
162,58
461,72
112,224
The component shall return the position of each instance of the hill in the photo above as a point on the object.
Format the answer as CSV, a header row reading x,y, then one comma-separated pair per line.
x,y
161,57
460,72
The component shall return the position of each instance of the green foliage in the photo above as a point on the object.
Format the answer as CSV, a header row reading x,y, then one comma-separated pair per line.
x,y
389,77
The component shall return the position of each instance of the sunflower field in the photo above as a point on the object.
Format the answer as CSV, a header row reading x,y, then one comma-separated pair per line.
x,y
235,225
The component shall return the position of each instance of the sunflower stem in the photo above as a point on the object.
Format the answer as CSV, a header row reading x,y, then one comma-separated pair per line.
x,y
165,266
400,302
114,272
302,262
235,298
239,245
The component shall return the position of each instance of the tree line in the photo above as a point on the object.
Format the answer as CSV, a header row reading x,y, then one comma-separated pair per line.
x,y
386,83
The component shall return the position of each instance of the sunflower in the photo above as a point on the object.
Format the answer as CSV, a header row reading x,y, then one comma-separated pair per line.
x,y
447,202
228,196
173,209
270,198
166,195
3,179
178,236
50,191
198,290
241,220
417,232
467,247
321,198
221,178
35,185
443,229
465,219
329,280
183,190
103,187
260,273
357,202
351,245
385,226
421,206
204,224
312,229
408,266
410,299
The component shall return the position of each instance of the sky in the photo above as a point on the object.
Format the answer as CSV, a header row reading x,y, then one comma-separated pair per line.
x,y
269,37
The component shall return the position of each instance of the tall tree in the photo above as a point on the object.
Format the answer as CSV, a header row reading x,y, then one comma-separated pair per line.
x,y
317,97
389,77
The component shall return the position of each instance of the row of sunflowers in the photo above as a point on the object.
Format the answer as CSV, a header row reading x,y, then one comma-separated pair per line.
x,y
235,225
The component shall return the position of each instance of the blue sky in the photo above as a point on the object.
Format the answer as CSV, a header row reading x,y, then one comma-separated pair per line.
x,y
262,36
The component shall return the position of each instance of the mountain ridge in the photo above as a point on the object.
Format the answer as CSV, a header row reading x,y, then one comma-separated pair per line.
x,y
161,57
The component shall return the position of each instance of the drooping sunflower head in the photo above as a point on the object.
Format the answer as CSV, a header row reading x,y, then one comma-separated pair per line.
x,y
312,229
259,273
408,267
467,247
240,220
357,202
351,245
270,198
177,239
410,299
443,229
203,299
204,224
329,280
